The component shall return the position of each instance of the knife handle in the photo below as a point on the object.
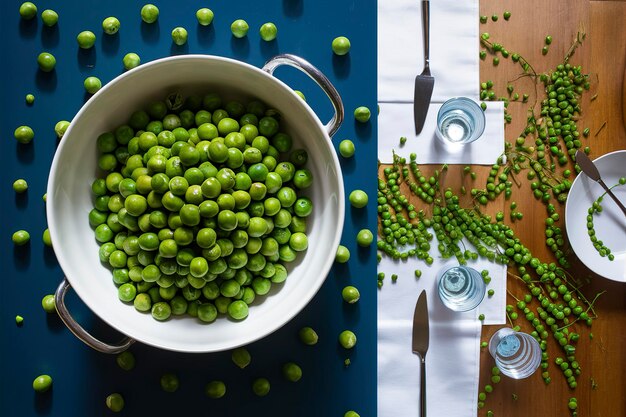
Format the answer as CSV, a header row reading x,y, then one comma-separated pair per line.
x,y
423,386
426,30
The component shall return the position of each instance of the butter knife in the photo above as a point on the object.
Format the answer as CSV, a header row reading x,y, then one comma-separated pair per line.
x,y
420,344
424,82
590,169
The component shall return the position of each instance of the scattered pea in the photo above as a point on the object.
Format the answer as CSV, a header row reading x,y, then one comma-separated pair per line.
x,y
49,17
268,31
346,148
179,35
92,84
364,238
28,10
149,13
483,19
343,254
19,320
46,238
494,17
61,127
215,389
111,25
362,114
347,339
46,61
239,28
544,50
42,383
261,387
341,45
308,336
86,39
358,198
20,186
241,357
548,40
204,16
125,360
506,15
30,99
350,294
169,382
20,237
115,402
292,372
351,413
131,60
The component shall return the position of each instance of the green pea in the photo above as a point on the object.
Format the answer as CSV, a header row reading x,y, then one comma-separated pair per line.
x,y
20,238
28,10
49,17
125,360
268,31
204,16
20,186
161,311
30,99
42,383
350,294
364,238
340,45
92,84
239,28
346,148
362,114
149,13
358,198
238,310
241,357
115,402
24,134
131,60
343,254
308,336
111,25
292,372
261,387
48,304
169,382
351,413
347,339
179,35
215,389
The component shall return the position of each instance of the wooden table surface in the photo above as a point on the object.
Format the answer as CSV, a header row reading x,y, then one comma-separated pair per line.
x,y
602,384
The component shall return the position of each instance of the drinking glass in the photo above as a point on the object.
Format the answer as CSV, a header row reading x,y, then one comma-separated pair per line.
x,y
461,288
460,120
517,354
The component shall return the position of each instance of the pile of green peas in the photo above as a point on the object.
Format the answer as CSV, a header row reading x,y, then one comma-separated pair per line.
x,y
200,206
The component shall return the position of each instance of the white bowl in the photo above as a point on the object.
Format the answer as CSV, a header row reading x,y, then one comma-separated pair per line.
x,y
74,168
609,225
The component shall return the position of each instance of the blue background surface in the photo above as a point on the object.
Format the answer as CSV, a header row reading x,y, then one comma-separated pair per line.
x,y
83,377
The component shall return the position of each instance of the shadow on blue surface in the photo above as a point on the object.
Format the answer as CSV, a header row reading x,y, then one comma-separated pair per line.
x,y
43,402
46,81
179,49
348,165
341,66
363,130
110,44
205,35
150,32
293,8
21,200
240,47
268,49
21,256
86,57
28,28
50,36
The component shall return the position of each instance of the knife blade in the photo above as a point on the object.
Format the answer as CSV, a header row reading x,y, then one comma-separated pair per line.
x,y
590,169
420,344
424,82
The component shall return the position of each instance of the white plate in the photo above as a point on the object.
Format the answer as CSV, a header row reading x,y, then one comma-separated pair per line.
x,y
610,224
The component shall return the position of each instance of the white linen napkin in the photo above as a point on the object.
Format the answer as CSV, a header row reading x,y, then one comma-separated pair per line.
x,y
453,358
454,62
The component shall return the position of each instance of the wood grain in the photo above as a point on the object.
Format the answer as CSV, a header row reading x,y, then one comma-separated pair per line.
x,y
601,385
603,379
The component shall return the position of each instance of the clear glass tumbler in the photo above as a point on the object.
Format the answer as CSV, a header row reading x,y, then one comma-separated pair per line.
x,y
461,288
517,354
460,120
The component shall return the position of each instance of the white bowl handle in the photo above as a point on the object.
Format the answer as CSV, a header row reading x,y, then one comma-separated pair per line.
x,y
79,332
319,78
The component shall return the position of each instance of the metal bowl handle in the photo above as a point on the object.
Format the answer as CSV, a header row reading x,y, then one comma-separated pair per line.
x,y
79,332
319,78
